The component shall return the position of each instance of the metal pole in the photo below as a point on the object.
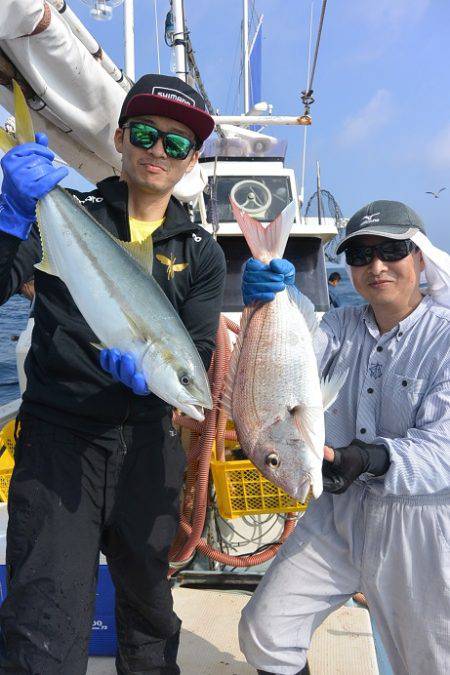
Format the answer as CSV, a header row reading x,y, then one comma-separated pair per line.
x,y
305,131
319,195
246,57
157,36
179,44
128,29
263,120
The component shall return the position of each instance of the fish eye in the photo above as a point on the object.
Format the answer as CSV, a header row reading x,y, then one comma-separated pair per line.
x,y
184,379
272,459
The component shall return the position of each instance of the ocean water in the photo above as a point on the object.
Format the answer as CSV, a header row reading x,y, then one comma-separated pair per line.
x,y
13,319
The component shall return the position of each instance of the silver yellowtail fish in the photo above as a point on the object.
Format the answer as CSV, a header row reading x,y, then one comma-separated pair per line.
x,y
111,283
273,392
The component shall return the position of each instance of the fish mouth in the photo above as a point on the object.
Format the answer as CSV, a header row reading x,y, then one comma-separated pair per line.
x,y
194,411
198,398
303,489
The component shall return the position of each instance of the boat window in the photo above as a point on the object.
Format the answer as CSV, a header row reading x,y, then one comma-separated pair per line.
x,y
306,253
263,197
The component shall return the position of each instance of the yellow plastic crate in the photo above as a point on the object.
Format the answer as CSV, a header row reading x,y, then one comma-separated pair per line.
x,y
242,490
7,445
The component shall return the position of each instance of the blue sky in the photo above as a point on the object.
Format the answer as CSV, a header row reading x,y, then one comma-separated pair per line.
x,y
381,120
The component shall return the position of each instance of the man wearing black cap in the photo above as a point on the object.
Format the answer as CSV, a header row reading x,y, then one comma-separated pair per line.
x,y
98,464
382,525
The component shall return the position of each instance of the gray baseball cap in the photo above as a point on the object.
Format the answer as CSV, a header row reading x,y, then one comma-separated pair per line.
x,y
383,218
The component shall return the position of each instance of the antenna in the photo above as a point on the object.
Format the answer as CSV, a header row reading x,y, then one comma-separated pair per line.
x,y
246,57
305,130
319,196
102,10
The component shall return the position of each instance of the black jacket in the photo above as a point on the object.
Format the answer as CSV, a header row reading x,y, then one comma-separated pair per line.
x,y
64,379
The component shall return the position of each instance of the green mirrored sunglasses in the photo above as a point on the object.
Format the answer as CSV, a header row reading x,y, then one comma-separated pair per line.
x,y
146,136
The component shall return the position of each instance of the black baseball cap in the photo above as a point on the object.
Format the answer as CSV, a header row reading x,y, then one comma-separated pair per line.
x,y
169,97
393,220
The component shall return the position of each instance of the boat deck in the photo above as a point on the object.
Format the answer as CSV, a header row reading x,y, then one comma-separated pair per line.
x,y
343,645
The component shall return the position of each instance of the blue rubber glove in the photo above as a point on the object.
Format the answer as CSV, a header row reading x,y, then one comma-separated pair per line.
x,y
28,175
260,282
122,367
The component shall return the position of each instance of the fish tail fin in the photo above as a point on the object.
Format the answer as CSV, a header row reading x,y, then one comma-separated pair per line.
x,y
24,125
266,241
7,140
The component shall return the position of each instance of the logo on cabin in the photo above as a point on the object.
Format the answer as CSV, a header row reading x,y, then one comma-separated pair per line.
x,y
172,265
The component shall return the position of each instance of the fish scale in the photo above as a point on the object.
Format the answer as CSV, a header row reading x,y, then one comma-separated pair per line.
x,y
276,372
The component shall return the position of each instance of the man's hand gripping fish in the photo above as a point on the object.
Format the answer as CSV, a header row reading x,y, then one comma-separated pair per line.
x,y
112,285
273,391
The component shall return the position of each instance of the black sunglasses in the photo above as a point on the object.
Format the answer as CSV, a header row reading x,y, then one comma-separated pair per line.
x,y
146,136
388,251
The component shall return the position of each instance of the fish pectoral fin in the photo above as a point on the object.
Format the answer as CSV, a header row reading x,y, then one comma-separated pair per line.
x,y
24,124
331,386
137,328
141,251
305,420
316,482
305,306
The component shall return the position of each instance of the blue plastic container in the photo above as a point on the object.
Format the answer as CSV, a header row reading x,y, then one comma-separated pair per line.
x,y
103,640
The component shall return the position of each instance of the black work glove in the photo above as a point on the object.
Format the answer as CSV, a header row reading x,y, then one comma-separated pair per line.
x,y
351,462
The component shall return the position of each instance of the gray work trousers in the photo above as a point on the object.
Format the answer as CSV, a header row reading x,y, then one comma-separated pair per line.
x,y
396,550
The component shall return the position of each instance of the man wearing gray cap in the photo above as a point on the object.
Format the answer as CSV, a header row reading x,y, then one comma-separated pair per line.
x,y
382,525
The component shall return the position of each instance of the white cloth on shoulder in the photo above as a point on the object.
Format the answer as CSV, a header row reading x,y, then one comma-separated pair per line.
x,y
437,269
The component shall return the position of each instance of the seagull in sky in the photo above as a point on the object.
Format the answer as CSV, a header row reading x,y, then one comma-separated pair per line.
x,y
435,194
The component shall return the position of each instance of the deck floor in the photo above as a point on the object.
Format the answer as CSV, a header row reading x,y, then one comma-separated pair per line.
x,y
343,645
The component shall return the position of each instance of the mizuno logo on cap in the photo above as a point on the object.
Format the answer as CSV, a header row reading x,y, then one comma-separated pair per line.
x,y
370,219
173,95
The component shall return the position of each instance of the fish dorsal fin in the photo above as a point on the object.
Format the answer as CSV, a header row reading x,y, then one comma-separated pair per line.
x,y
227,393
305,306
141,251
24,123
331,387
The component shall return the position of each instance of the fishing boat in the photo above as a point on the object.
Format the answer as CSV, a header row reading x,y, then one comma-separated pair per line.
x,y
234,520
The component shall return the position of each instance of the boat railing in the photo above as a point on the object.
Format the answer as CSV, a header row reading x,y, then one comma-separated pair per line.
x,y
8,411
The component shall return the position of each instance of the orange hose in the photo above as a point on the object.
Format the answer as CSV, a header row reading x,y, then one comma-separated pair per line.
x,y
195,502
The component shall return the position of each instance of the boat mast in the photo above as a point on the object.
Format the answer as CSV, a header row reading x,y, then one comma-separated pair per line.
x,y
128,29
246,68
179,41
319,196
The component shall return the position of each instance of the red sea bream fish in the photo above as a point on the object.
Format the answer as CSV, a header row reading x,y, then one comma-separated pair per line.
x,y
273,391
